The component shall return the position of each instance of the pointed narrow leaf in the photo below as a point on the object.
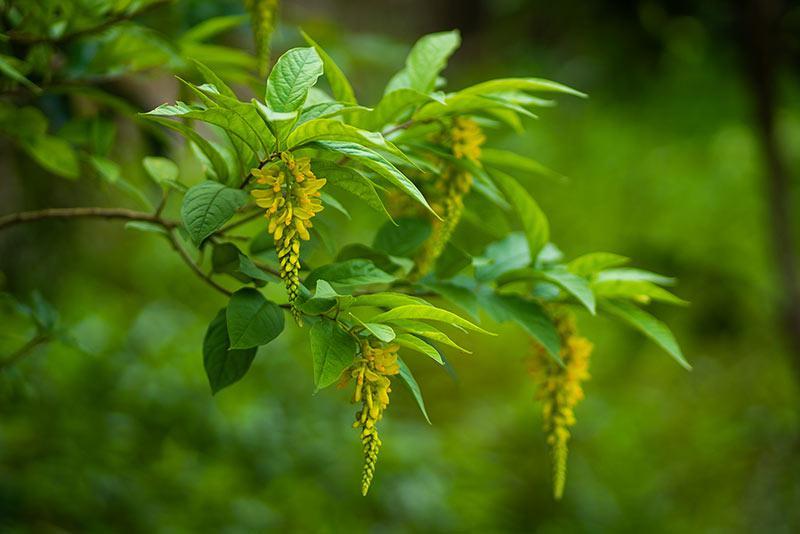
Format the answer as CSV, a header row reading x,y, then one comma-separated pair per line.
x,y
342,91
411,383
414,343
534,222
333,351
589,264
573,284
431,313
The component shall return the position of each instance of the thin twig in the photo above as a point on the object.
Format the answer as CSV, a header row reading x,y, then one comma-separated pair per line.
x,y
71,213
191,263
23,351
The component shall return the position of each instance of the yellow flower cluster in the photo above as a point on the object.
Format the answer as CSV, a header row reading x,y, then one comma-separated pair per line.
x,y
290,193
371,373
465,138
559,390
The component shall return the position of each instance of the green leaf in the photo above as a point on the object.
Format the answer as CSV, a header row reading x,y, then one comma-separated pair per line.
x,y
403,238
634,275
54,154
463,297
639,290
342,91
350,273
411,383
494,157
219,167
391,106
431,313
414,343
324,299
252,319
426,60
223,366
381,332
424,330
384,262
509,253
534,222
333,351
528,314
211,27
589,264
162,171
386,299
207,206
11,72
352,181
451,261
227,258
519,84
648,325
380,165
573,284
334,130
293,75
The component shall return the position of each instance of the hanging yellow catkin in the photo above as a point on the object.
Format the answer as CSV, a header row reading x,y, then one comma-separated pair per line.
x,y
290,193
371,374
559,390
465,138
263,19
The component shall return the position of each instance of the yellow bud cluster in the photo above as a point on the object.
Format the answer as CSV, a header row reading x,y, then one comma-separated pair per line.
x,y
371,373
451,186
290,193
559,390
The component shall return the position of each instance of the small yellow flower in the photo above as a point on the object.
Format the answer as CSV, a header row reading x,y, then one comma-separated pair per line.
x,y
371,373
290,194
466,137
559,390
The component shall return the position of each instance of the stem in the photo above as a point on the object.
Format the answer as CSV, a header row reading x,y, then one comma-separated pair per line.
x,y
191,263
73,213
23,351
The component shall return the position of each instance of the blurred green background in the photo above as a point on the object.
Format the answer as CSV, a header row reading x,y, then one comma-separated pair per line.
x,y
117,431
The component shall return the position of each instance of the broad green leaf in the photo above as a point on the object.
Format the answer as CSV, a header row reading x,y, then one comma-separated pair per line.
x,y
629,274
572,284
431,313
384,262
494,157
223,366
342,91
324,299
378,164
252,319
333,351
424,330
639,290
227,258
451,261
414,343
207,206
646,324
426,60
350,273
411,383
211,27
293,75
387,299
54,154
389,109
352,181
589,264
211,77
403,238
249,113
528,314
534,222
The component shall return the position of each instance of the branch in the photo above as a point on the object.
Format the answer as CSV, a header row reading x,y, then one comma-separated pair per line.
x,y
36,39
74,213
23,351
192,265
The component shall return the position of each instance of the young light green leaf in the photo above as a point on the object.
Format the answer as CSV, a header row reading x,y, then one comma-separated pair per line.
x,y
519,84
334,130
223,366
324,299
293,75
629,274
333,351
573,284
646,324
510,253
426,60
534,222
414,343
342,91
411,383
591,263
431,313
391,106
380,331
387,299
494,157
207,206
424,330
218,164
639,290
162,171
